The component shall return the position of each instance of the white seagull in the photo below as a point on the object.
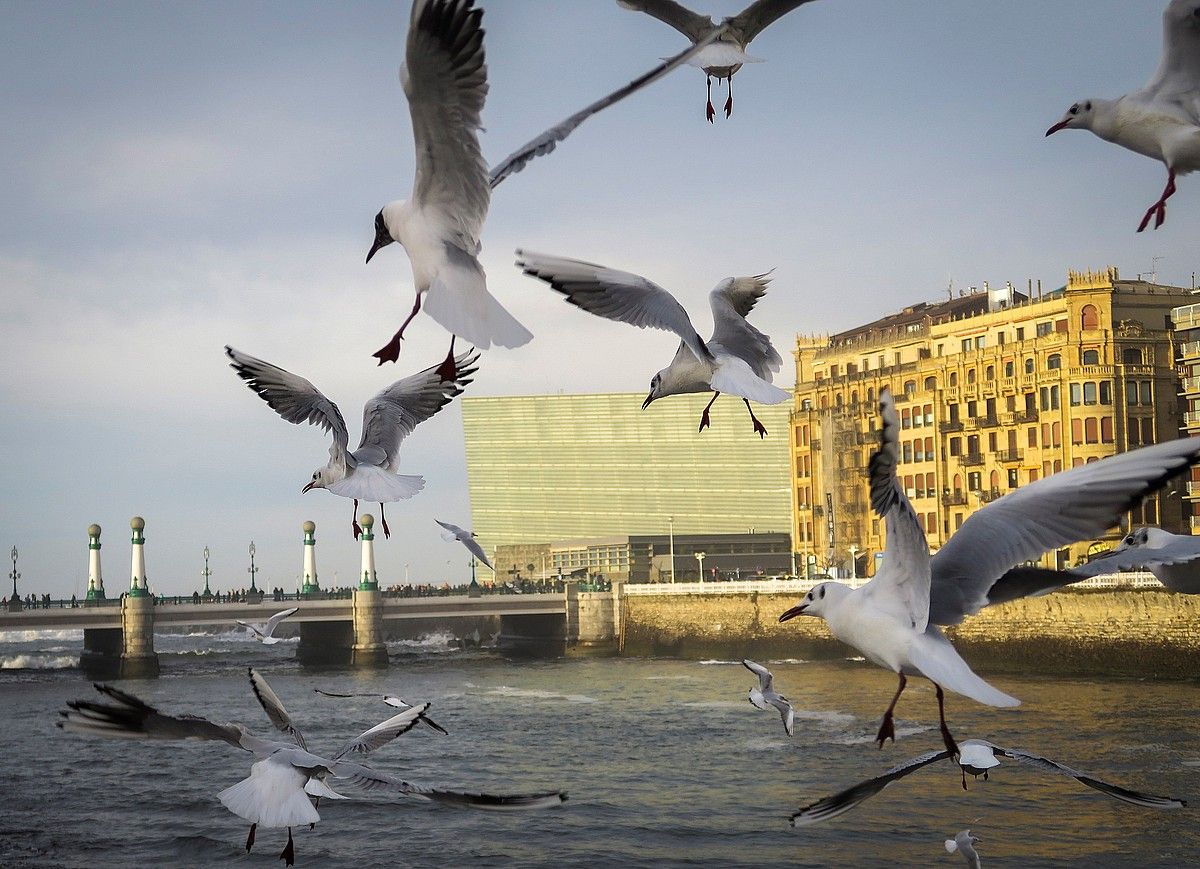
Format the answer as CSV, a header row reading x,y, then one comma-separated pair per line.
x,y
764,695
466,538
964,843
726,56
368,473
977,757
1174,559
737,359
265,633
893,619
391,700
1162,120
284,774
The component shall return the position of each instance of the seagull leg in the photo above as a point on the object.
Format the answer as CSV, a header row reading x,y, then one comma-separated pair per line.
x,y
387,532
709,111
886,729
357,529
1159,209
288,854
951,745
448,371
390,351
729,102
250,838
964,775
704,421
759,428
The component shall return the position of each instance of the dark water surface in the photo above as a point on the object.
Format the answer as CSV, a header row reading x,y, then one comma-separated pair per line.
x,y
665,762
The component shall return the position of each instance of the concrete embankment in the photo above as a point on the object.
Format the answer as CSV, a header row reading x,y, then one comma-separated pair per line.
x,y
1152,634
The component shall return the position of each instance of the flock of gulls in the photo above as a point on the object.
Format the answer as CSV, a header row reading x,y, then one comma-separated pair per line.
x,y
894,620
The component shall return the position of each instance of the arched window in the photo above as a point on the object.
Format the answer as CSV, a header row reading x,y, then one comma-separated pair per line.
x,y
957,483
994,479
1089,317
1009,369
871,394
1053,361
854,396
990,373
1131,356
970,375
1029,366
954,378
910,387
823,402
1091,357
930,383
837,399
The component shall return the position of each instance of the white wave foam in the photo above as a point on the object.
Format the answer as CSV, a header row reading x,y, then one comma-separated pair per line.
x,y
37,662
35,636
856,660
539,694
788,661
711,661
442,641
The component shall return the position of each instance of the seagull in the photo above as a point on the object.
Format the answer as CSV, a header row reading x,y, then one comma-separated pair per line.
x,y
390,700
764,695
737,359
726,57
284,774
466,538
1162,120
893,619
964,843
265,633
1174,559
976,758
368,473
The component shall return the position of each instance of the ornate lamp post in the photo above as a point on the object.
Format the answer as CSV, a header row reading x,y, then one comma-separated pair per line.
x,y
14,602
700,556
252,569
206,573
671,532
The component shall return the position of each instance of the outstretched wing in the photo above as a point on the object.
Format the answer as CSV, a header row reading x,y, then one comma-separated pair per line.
x,y
548,141
731,301
1177,80
372,779
467,539
445,79
293,398
384,732
615,295
130,718
844,801
1149,801
390,416
1055,511
765,679
273,706
692,25
760,15
273,621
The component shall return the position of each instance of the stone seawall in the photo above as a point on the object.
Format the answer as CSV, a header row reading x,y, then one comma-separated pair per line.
x,y
1152,634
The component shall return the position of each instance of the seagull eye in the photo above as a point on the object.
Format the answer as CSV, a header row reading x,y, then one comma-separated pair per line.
x,y
1074,110
822,591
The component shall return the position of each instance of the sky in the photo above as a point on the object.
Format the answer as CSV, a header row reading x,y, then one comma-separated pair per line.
x,y
180,176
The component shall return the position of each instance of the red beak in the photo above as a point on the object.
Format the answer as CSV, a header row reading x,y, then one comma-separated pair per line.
x,y
306,488
1061,125
797,610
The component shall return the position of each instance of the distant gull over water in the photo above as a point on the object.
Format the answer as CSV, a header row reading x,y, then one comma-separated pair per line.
x,y
1162,120
977,757
737,359
390,700
764,695
368,473
265,633
466,538
726,56
964,843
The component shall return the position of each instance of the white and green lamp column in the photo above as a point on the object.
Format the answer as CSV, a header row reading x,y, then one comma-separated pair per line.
x,y
310,559
138,658
95,590
138,586
369,648
367,580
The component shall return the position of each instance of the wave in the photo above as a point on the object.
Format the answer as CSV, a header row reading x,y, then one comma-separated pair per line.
x,y
711,661
788,661
442,641
539,694
35,661
35,636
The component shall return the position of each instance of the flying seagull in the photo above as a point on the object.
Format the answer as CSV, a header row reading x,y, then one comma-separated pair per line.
x,y
737,359
1174,559
1162,120
390,700
726,56
284,774
368,473
466,538
977,757
764,696
964,843
893,619
265,633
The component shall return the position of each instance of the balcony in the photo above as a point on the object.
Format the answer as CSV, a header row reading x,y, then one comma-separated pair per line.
x,y
1009,456
954,425
1022,416
969,459
986,421
1189,350
1193,489
955,499
1191,418
989,495
1189,386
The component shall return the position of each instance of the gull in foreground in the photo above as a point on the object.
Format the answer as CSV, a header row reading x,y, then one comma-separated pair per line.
x,y
368,473
466,538
964,843
265,633
737,359
722,59
390,700
893,619
764,696
976,758
284,775
1162,120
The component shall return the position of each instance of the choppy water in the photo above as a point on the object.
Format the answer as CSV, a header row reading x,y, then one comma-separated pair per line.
x,y
665,762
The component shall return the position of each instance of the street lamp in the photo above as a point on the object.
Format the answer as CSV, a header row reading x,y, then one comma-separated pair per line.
x,y
14,602
206,573
700,556
671,531
252,569
853,565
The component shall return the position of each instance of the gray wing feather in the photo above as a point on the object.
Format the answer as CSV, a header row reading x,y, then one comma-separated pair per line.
x,y
765,679
1079,504
731,302
130,718
373,779
273,621
691,24
852,797
760,15
467,539
1150,801
273,706
1177,79
384,732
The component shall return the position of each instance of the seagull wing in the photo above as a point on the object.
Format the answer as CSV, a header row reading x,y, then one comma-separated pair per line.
x,y
691,24
473,545
384,732
615,295
787,713
293,398
731,301
1177,80
130,718
901,587
273,621
273,706
1079,504
252,628
390,416
760,15
548,141
1149,801
851,798
373,779
765,679
445,79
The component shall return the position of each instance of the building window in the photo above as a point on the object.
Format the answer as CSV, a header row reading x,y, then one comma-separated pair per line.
x,y
974,481
1089,392
1106,429
1009,369
1020,333
1131,392
954,378
928,414
1043,329
1031,436
1033,475
871,394
1060,325
990,373
1012,478
1076,395
1029,366
956,446
1148,430
1091,432
1089,318
854,397
905,418
833,370
980,342
930,384
1133,432
970,375
1146,393
910,387
1056,434
1090,357
1053,361
1105,392
908,452
966,345
1077,431
1131,356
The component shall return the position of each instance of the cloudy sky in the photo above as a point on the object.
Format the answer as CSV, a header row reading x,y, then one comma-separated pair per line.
x,y
179,176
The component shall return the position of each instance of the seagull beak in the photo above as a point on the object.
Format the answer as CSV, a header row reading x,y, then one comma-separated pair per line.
x,y
382,237
1061,125
798,610
646,403
306,488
